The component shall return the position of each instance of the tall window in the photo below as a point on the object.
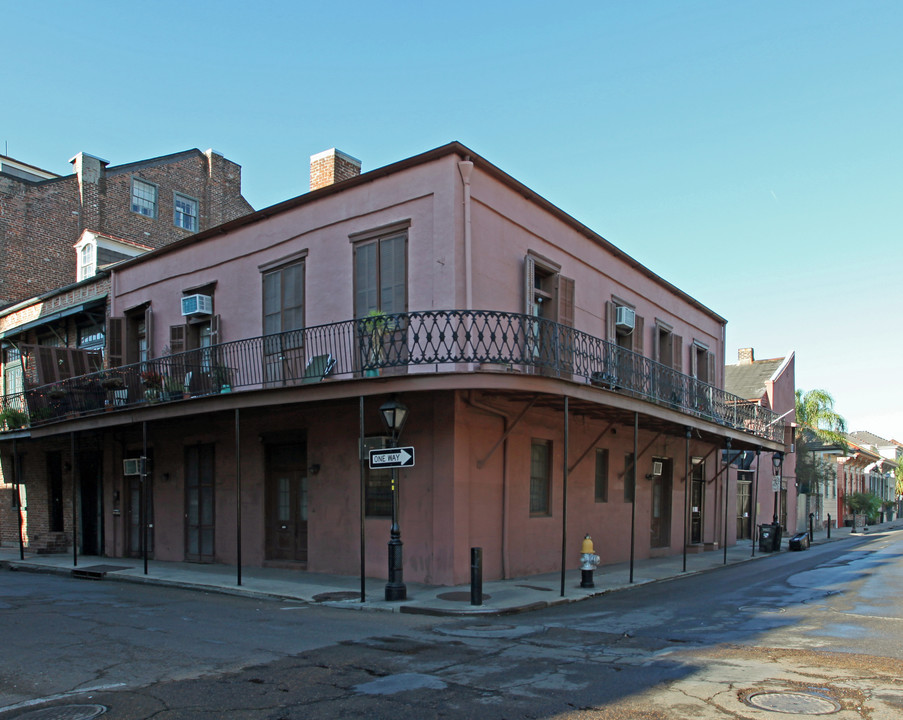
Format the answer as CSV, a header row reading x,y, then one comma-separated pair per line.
x,y
283,321
87,264
13,381
185,212
540,477
144,198
283,299
380,275
601,475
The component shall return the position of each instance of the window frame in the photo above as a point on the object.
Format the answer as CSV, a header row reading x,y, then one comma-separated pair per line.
x,y
154,204
176,196
537,491
378,236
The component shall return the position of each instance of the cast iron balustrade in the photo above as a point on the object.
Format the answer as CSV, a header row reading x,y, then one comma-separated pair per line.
x,y
404,343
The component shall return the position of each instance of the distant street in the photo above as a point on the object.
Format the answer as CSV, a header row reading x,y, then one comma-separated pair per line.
x,y
804,634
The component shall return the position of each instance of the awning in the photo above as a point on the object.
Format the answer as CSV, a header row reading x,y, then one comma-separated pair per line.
x,y
52,317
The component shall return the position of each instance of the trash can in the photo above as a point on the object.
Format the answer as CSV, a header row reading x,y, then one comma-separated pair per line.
x,y
766,537
800,541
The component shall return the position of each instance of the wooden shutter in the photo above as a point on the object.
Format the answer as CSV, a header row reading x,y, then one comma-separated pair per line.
x,y
149,331
566,301
610,333
529,284
710,363
677,353
215,330
115,341
638,336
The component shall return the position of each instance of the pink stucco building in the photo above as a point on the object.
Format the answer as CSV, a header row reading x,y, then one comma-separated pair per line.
x,y
248,364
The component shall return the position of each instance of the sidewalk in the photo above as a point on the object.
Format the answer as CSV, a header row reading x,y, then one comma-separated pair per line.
x,y
499,597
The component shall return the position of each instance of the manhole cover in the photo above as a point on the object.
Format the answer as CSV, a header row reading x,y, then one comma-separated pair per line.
x,y
794,703
65,712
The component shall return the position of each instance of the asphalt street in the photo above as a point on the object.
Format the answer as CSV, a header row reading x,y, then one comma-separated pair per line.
x,y
794,635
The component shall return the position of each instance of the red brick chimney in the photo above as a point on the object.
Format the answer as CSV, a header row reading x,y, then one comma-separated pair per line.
x,y
332,166
745,356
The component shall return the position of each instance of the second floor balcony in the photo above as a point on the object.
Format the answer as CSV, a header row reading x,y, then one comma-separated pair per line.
x,y
449,341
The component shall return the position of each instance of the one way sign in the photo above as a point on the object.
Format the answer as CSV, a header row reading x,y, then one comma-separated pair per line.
x,y
392,458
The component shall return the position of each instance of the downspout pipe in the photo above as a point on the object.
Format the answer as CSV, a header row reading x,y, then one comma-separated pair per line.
x,y
465,167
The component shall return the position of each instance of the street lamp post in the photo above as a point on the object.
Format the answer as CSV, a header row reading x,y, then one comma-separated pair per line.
x,y
394,414
777,459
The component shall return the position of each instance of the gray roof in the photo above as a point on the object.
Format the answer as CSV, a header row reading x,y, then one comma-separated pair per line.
x,y
747,380
866,438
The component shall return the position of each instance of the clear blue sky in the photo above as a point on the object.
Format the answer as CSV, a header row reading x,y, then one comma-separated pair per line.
x,y
748,152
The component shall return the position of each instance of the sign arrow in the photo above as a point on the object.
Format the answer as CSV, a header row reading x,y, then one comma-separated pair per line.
x,y
392,458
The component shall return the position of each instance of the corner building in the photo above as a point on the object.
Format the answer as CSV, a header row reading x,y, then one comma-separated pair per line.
x,y
555,387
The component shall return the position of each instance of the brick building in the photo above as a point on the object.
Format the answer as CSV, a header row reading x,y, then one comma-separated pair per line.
x,y
49,224
57,236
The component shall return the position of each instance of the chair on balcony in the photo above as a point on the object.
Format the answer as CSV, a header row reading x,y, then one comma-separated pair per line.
x,y
318,367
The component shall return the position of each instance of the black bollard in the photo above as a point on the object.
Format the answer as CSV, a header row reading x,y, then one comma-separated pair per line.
x,y
829,526
476,576
811,527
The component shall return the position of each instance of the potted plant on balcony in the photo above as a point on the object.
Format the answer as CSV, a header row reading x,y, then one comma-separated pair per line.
x,y
153,384
13,418
373,329
112,382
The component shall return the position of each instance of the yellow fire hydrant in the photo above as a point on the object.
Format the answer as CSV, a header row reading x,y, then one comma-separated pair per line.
x,y
588,562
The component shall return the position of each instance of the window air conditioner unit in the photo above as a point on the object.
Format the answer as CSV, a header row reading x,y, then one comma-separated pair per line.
x,y
625,318
197,305
656,468
131,466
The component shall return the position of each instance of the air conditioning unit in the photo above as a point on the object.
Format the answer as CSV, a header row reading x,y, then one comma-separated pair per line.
x,y
197,305
374,442
131,466
625,318
656,468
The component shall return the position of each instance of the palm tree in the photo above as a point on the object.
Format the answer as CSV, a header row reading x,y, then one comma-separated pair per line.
x,y
815,412
820,425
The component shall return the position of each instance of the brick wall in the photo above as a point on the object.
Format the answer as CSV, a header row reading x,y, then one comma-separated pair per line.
x,y
41,221
36,514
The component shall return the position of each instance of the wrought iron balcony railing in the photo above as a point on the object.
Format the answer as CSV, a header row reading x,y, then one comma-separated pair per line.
x,y
405,343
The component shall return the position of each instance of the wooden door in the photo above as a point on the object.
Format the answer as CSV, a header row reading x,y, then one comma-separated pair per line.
x,y
286,503
697,503
661,506
200,515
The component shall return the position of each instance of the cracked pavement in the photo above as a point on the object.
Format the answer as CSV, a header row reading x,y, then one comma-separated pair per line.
x,y
822,625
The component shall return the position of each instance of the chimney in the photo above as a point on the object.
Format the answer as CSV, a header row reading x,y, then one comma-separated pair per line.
x,y
332,166
745,356
89,170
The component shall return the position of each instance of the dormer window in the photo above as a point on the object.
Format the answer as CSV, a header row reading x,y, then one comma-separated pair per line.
x,y
87,261
95,252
